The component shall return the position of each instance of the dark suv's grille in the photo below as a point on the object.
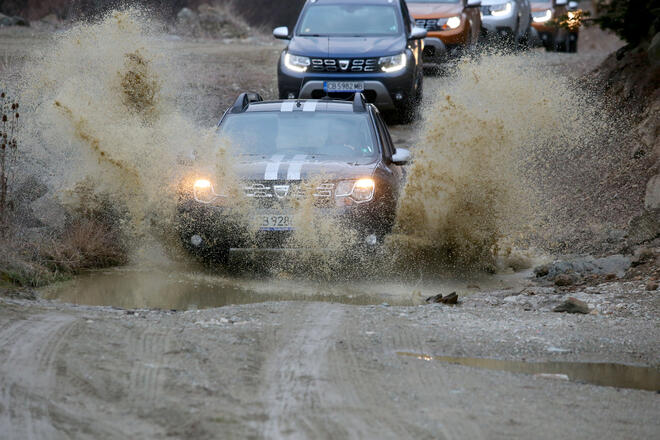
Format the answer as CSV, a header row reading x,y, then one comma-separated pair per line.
x,y
431,24
356,65
268,193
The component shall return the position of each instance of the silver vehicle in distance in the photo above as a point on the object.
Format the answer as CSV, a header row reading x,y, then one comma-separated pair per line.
x,y
507,18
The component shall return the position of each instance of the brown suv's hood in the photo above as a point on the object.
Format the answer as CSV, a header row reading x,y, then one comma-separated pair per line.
x,y
290,168
435,10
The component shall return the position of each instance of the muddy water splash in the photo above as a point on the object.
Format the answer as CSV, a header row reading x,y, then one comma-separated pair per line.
x,y
102,96
493,127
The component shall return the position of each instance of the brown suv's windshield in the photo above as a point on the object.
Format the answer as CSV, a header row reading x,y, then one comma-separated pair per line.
x,y
349,20
341,136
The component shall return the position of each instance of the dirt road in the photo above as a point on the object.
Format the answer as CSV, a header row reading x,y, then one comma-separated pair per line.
x,y
313,370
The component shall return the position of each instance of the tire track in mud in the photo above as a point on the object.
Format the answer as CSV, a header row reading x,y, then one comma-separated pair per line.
x,y
389,408
295,378
28,375
148,349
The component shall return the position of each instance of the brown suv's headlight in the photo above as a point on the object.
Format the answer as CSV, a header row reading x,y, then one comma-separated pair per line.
x,y
358,191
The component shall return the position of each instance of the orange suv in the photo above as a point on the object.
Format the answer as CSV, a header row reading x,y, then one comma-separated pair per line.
x,y
451,25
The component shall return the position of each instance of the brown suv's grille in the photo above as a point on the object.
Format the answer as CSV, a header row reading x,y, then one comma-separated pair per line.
x,y
431,24
356,65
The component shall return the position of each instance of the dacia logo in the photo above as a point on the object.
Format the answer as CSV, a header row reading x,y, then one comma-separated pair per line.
x,y
281,191
343,64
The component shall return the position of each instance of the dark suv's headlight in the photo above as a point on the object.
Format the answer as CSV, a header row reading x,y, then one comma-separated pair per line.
x,y
394,63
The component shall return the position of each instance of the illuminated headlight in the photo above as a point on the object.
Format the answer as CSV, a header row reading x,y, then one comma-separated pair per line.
x,y
204,192
393,63
453,22
501,9
359,191
296,63
542,16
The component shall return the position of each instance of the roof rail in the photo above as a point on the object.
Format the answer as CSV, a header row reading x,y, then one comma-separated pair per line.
x,y
244,100
359,103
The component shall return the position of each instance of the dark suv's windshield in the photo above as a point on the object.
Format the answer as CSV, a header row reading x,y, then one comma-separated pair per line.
x,y
341,136
350,20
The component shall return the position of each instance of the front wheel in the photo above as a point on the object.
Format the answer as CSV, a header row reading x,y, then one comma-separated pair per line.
x,y
572,43
408,111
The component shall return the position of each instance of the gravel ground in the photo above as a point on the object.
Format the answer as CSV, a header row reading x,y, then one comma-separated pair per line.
x,y
319,370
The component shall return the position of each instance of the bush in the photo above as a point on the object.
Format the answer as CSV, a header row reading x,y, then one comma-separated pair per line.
x,y
633,20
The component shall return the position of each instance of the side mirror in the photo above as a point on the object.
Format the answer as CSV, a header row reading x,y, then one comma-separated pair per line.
x,y
572,6
561,2
417,33
281,33
401,156
474,4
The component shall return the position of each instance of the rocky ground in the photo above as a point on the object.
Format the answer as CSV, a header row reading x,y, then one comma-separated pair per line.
x,y
308,369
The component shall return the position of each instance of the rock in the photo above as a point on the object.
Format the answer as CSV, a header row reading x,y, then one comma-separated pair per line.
x,y
541,271
652,285
572,305
584,266
642,255
13,21
644,227
187,21
452,298
652,198
654,50
564,280
610,277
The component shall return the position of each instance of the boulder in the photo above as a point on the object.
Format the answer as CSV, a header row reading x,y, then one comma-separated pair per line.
x,y
568,271
644,227
187,21
572,305
13,21
652,198
654,50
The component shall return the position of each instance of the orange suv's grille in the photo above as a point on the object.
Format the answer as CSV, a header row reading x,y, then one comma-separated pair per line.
x,y
356,65
431,24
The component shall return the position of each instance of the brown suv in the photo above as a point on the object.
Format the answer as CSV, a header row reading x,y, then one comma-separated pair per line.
x,y
451,25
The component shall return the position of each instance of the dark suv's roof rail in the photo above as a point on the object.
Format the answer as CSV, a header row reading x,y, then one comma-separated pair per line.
x,y
243,100
359,103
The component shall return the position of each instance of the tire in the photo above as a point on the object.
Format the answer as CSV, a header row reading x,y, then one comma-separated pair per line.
x,y
408,111
571,45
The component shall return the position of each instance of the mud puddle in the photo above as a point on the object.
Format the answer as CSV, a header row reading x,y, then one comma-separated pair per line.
x,y
596,373
183,289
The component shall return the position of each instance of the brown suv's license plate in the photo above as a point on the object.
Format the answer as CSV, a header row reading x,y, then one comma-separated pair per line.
x,y
343,86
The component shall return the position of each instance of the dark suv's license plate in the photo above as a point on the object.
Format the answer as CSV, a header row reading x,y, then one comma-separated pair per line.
x,y
343,86
275,222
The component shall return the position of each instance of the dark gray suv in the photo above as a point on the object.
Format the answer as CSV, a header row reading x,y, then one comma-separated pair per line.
x,y
342,47
342,148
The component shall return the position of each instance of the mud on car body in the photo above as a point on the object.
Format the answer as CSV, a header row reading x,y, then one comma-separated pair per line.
x,y
338,153
552,36
340,47
451,26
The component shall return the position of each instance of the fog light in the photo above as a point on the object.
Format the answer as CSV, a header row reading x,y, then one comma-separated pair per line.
x,y
196,240
398,96
371,240
291,96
